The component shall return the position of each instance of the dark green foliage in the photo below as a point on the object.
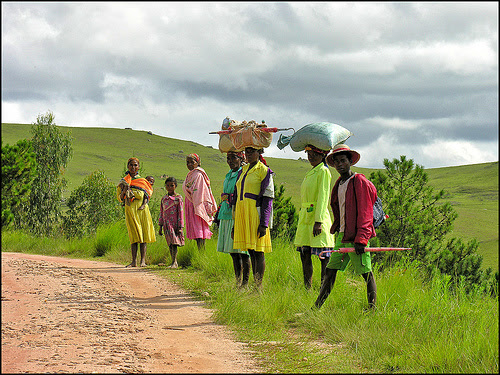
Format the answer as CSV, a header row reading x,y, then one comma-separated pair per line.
x,y
415,217
18,170
419,219
53,151
285,217
461,260
93,203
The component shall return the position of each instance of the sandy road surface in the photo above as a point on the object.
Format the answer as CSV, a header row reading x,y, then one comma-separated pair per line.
x,y
69,315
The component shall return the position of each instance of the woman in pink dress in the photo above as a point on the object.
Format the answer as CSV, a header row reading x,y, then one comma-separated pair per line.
x,y
171,220
200,204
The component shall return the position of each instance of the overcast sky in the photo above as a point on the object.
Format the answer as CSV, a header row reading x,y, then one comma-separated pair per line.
x,y
414,79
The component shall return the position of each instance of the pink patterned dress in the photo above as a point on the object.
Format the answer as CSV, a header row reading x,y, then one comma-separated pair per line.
x,y
172,219
200,204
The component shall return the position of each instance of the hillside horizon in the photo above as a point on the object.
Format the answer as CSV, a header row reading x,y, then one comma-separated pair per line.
x,y
472,188
69,127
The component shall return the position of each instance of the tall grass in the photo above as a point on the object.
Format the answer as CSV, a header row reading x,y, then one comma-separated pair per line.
x,y
418,326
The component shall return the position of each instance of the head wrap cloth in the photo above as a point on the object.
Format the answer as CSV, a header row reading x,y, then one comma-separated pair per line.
x,y
129,160
195,157
240,154
315,149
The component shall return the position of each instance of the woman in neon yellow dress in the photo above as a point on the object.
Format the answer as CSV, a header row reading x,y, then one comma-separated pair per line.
x,y
313,229
253,201
139,222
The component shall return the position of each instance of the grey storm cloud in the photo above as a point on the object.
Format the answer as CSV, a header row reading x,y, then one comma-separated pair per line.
x,y
412,74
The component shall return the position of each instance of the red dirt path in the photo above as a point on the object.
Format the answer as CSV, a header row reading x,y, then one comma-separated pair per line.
x,y
77,316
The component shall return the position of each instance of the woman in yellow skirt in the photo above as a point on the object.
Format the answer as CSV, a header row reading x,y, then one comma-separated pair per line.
x,y
139,222
253,202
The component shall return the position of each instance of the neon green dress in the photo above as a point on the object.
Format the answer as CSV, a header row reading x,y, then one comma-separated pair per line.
x,y
315,196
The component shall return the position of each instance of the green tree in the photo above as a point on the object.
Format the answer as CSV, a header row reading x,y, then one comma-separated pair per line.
x,y
285,217
418,218
461,260
91,204
53,151
18,170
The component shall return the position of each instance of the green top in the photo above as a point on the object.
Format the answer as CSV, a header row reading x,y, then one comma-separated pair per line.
x,y
225,212
315,198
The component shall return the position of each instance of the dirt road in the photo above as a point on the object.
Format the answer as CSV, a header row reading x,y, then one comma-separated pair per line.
x,y
76,316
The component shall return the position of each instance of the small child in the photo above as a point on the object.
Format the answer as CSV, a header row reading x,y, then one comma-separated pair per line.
x,y
146,199
129,194
171,220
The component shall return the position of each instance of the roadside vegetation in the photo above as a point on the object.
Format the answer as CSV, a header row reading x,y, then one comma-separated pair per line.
x,y
437,306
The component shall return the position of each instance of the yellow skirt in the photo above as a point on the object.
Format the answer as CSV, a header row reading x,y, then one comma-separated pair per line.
x,y
139,222
246,223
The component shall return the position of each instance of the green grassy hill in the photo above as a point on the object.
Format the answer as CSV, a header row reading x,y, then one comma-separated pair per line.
x,y
472,189
473,192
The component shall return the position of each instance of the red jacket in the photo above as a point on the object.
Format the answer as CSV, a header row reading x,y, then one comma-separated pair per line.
x,y
358,218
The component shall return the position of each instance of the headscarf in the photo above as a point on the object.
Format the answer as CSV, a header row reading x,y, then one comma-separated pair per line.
x,y
195,157
262,160
317,150
129,160
240,154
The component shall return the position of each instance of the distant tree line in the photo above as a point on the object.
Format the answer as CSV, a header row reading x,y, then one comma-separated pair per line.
x,y
33,182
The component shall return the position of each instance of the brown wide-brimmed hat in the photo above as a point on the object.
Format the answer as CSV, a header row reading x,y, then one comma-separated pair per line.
x,y
341,147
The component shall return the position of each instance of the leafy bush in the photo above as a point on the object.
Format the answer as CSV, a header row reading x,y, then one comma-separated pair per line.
x,y
18,170
285,217
461,261
91,204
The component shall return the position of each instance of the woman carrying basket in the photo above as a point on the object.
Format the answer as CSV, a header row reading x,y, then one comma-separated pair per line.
x,y
253,201
313,229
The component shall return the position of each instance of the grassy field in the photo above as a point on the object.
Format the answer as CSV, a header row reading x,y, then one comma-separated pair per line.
x,y
472,189
473,192
418,327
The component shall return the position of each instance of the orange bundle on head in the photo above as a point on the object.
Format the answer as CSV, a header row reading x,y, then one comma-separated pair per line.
x,y
236,136
251,137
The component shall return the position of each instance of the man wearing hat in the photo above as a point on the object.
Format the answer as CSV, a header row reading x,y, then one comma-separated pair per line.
x,y
352,200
